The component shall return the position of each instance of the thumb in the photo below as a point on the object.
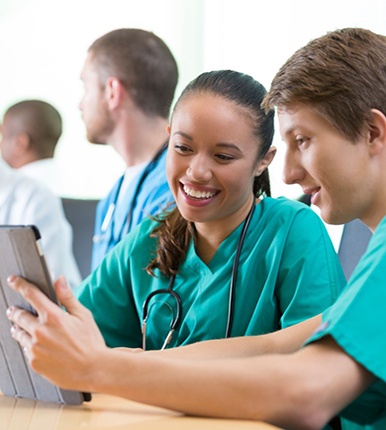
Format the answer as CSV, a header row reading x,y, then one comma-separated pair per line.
x,y
66,296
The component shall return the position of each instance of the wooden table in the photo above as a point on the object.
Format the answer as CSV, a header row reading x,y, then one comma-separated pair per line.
x,y
106,412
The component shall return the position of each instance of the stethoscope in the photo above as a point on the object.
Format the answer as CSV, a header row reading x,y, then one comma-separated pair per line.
x,y
110,211
177,319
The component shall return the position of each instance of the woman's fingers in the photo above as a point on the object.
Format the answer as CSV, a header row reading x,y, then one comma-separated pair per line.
x,y
22,337
22,318
66,297
39,301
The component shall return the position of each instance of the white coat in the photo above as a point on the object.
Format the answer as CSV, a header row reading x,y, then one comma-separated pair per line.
x,y
24,201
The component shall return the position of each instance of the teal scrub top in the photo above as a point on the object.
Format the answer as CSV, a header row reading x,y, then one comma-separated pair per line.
x,y
288,272
357,323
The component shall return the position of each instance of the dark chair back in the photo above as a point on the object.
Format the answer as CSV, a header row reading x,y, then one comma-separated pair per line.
x,y
353,244
81,215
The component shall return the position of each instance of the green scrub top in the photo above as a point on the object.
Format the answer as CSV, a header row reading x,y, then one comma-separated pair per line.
x,y
288,272
357,323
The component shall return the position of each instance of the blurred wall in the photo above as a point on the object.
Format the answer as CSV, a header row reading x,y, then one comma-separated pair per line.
x,y
43,44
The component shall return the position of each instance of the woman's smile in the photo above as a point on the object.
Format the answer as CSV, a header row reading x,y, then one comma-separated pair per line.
x,y
198,196
212,158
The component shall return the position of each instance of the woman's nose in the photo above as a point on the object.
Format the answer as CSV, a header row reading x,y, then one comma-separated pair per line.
x,y
199,169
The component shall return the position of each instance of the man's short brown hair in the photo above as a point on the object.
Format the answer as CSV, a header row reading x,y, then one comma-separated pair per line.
x,y
342,75
143,63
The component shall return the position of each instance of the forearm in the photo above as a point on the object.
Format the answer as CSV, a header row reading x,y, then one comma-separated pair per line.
x,y
221,388
280,342
301,391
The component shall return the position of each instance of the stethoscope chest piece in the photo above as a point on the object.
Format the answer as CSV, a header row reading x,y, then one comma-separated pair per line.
x,y
175,321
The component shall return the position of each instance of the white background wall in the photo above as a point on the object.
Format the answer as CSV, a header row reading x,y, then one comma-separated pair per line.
x,y
43,44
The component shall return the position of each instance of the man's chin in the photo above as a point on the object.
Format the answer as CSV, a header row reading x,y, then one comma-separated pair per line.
x,y
95,141
335,218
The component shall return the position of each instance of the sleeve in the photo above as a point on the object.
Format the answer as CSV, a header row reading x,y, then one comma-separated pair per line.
x,y
100,241
356,322
107,293
357,319
311,277
158,201
153,199
97,251
44,210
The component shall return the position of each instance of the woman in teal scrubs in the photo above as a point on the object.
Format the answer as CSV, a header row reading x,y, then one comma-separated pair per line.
x,y
219,150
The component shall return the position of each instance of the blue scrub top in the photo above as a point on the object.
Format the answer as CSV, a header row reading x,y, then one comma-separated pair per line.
x,y
357,323
153,197
288,272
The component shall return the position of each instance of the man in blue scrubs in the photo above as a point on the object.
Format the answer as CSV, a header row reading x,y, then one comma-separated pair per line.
x,y
129,80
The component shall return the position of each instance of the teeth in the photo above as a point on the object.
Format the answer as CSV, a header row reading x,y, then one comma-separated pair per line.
x,y
198,194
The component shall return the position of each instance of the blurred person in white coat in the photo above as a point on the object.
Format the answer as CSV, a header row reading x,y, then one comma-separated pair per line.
x,y
24,202
30,131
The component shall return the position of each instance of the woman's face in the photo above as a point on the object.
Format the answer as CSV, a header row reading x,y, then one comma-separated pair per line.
x,y
212,159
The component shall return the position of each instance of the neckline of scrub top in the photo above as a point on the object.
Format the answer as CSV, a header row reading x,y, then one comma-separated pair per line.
x,y
225,251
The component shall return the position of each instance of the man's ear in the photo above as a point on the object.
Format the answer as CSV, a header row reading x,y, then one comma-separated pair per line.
x,y
376,131
21,143
114,91
266,161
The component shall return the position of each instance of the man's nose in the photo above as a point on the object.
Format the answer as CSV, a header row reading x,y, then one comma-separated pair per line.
x,y
292,171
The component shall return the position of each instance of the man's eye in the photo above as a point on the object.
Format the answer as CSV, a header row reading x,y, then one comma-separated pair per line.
x,y
302,141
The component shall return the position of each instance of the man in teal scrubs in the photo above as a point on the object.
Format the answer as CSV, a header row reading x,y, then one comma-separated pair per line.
x,y
331,99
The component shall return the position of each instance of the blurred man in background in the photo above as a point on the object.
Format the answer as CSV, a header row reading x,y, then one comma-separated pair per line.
x,y
129,80
30,132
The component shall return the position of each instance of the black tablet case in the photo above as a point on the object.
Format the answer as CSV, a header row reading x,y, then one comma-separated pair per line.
x,y
20,254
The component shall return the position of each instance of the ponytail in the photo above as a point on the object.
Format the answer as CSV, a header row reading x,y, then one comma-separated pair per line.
x,y
174,234
261,185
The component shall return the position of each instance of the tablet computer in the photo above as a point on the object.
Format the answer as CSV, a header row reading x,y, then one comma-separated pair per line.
x,y
21,254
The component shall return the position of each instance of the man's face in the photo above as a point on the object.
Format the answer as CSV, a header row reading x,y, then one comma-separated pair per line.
x,y
93,105
332,169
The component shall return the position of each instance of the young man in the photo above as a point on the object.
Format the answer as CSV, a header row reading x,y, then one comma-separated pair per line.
x,y
331,99
129,77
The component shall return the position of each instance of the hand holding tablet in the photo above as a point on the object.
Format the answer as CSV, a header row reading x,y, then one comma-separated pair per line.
x,y
21,257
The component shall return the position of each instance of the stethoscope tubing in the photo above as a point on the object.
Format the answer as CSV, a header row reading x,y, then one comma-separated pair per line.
x,y
232,292
108,219
232,289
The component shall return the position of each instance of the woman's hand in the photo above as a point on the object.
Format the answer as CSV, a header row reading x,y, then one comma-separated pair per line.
x,y
62,346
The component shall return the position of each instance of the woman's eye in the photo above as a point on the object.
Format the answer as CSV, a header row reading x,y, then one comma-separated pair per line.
x,y
182,148
224,157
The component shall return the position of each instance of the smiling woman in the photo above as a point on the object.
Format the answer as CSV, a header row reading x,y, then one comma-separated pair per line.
x,y
228,260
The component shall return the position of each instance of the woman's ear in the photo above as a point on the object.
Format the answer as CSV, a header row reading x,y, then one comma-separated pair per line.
x,y
376,132
168,129
265,161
